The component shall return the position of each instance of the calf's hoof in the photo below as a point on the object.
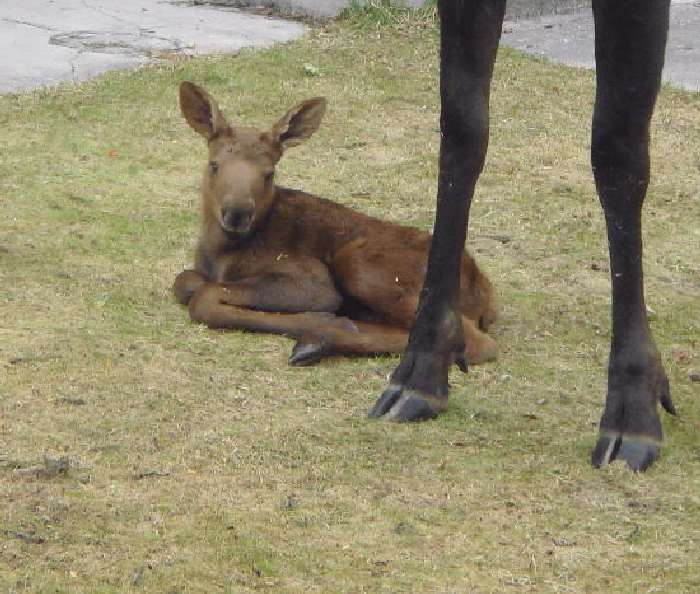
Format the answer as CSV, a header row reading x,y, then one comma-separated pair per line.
x,y
305,354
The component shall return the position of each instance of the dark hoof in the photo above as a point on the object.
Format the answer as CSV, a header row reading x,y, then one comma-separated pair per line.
x,y
665,396
462,362
401,404
638,452
307,353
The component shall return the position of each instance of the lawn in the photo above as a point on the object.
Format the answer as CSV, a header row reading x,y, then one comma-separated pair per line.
x,y
142,453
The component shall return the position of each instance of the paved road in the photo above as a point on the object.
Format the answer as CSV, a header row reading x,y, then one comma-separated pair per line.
x,y
43,42
569,39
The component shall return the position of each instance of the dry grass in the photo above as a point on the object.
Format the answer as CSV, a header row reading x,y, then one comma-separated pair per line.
x,y
139,452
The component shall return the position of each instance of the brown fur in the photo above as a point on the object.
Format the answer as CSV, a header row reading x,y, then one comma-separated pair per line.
x,y
277,260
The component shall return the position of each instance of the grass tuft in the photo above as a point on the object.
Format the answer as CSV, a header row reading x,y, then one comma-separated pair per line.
x,y
377,14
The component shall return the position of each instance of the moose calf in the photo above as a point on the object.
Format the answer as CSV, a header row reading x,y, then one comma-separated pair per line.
x,y
276,260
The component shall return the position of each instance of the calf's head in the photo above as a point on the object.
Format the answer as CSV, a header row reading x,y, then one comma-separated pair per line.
x,y
238,185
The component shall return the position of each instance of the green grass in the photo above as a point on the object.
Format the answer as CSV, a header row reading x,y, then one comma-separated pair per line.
x,y
387,13
200,462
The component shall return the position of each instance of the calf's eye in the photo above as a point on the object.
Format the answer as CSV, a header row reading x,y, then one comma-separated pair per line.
x,y
213,167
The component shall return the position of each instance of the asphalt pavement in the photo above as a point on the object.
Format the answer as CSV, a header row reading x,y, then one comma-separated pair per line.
x,y
44,42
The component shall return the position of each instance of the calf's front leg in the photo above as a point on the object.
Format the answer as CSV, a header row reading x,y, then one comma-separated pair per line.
x,y
298,306
285,287
319,333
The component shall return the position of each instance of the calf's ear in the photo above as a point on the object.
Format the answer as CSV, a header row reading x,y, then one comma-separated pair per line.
x,y
201,111
299,123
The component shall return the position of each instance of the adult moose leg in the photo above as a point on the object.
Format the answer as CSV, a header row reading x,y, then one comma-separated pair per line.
x,y
470,32
630,44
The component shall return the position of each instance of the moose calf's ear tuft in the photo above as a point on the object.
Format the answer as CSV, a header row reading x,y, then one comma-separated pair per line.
x,y
201,111
300,122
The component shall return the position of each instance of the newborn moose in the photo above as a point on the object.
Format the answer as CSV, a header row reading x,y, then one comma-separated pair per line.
x,y
271,259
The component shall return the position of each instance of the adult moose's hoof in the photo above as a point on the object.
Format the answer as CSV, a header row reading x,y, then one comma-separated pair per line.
x,y
418,388
630,430
638,452
402,404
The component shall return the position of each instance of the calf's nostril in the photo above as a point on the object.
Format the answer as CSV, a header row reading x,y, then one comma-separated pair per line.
x,y
235,218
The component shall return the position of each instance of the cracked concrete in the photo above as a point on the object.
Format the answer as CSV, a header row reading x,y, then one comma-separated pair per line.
x,y
138,44
44,42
